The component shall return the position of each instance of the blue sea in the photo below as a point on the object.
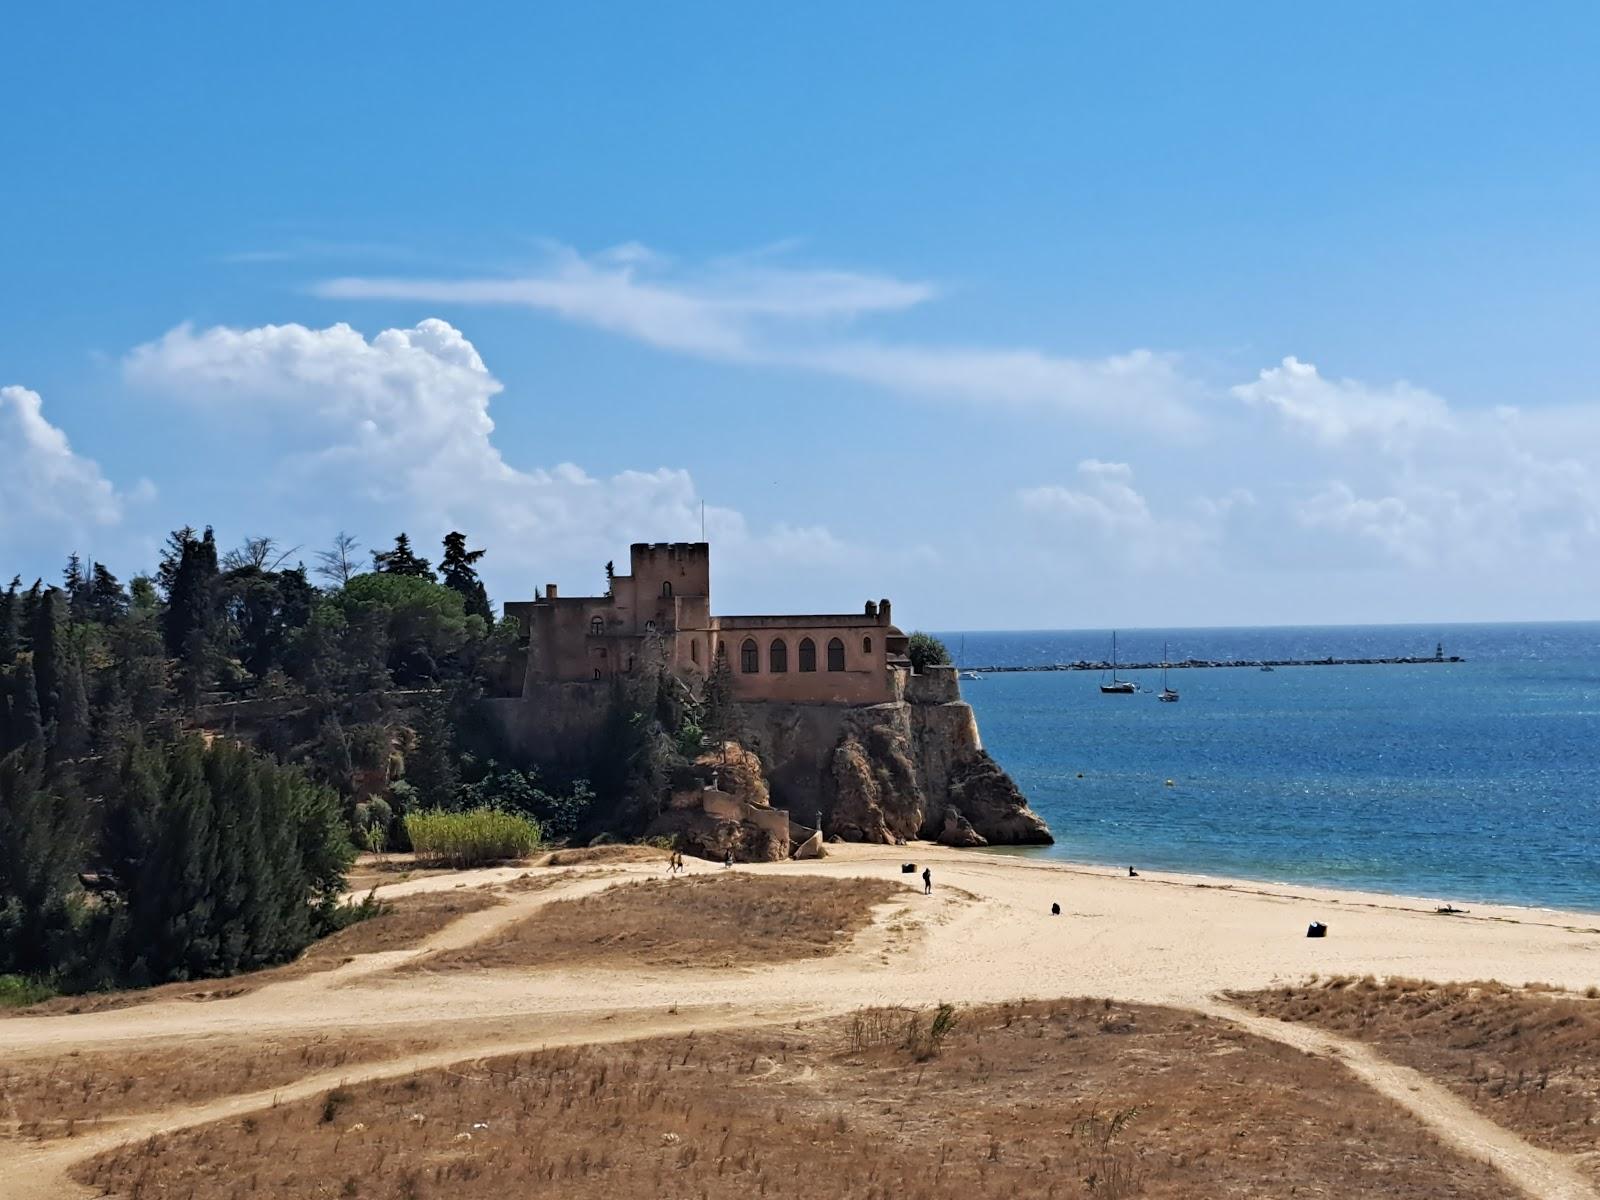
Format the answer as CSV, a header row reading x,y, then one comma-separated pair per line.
x,y
1470,781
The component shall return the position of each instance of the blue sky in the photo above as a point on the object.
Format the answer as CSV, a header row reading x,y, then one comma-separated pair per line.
x,y
1075,316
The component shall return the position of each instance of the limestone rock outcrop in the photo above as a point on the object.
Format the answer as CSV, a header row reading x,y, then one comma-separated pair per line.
x,y
875,795
713,837
987,797
720,804
958,831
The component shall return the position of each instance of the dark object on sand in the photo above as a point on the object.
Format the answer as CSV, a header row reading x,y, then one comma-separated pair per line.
x,y
1132,874
1449,910
908,868
1316,929
1055,910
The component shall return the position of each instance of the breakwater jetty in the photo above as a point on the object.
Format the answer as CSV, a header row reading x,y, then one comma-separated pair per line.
x,y
1407,660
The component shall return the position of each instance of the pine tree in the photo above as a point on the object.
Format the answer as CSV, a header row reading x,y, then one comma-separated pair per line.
x,y
459,570
401,561
75,586
107,601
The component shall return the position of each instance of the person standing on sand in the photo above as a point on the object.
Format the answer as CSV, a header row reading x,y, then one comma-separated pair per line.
x,y
927,881
727,858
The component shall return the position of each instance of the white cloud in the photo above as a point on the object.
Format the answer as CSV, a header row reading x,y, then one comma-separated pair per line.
x,y
1334,411
43,481
1119,524
752,312
403,420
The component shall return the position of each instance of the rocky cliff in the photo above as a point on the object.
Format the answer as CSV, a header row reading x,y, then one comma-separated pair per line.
x,y
881,772
911,768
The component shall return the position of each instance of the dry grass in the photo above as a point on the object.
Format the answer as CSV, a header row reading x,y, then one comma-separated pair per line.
x,y
1527,1058
586,856
71,1093
1067,1099
402,924
380,870
728,919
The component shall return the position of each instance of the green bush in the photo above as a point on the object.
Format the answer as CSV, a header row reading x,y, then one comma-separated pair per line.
x,y
472,838
924,650
19,991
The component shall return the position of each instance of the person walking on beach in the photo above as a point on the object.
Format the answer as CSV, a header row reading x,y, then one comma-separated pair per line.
x,y
927,881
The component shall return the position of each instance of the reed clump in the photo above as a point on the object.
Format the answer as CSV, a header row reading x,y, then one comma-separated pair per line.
x,y
472,838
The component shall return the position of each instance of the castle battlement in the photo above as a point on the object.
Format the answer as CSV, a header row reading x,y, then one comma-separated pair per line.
x,y
662,609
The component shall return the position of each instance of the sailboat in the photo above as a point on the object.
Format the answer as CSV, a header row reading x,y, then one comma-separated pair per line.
x,y
1117,687
961,669
1166,694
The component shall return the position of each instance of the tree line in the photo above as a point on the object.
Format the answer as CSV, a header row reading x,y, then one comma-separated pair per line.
x,y
146,834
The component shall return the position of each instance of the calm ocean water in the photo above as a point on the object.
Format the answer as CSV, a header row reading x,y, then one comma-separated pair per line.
x,y
1469,781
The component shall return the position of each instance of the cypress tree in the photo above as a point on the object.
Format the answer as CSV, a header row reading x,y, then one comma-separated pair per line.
x,y
188,573
10,615
431,767
42,842
70,739
45,637
26,724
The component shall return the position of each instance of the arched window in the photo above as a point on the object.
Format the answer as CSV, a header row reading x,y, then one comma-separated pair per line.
x,y
597,672
777,657
808,655
666,589
749,657
835,655
597,626
649,626
866,645
722,648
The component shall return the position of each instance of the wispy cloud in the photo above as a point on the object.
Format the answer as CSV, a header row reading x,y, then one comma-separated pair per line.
x,y
753,311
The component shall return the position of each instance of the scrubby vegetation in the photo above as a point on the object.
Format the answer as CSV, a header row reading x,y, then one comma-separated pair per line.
x,y
472,838
1073,1098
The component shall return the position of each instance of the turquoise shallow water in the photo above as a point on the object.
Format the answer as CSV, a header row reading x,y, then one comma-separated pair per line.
x,y
1469,781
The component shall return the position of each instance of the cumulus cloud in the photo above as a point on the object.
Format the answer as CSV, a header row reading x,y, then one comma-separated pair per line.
x,y
1335,411
1109,512
404,420
1453,489
754,312
43,481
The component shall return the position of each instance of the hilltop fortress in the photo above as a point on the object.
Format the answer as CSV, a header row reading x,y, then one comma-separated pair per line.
x,y
838,734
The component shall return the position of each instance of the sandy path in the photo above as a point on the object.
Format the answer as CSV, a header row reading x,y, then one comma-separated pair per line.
x,y
984,936
1535,1171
